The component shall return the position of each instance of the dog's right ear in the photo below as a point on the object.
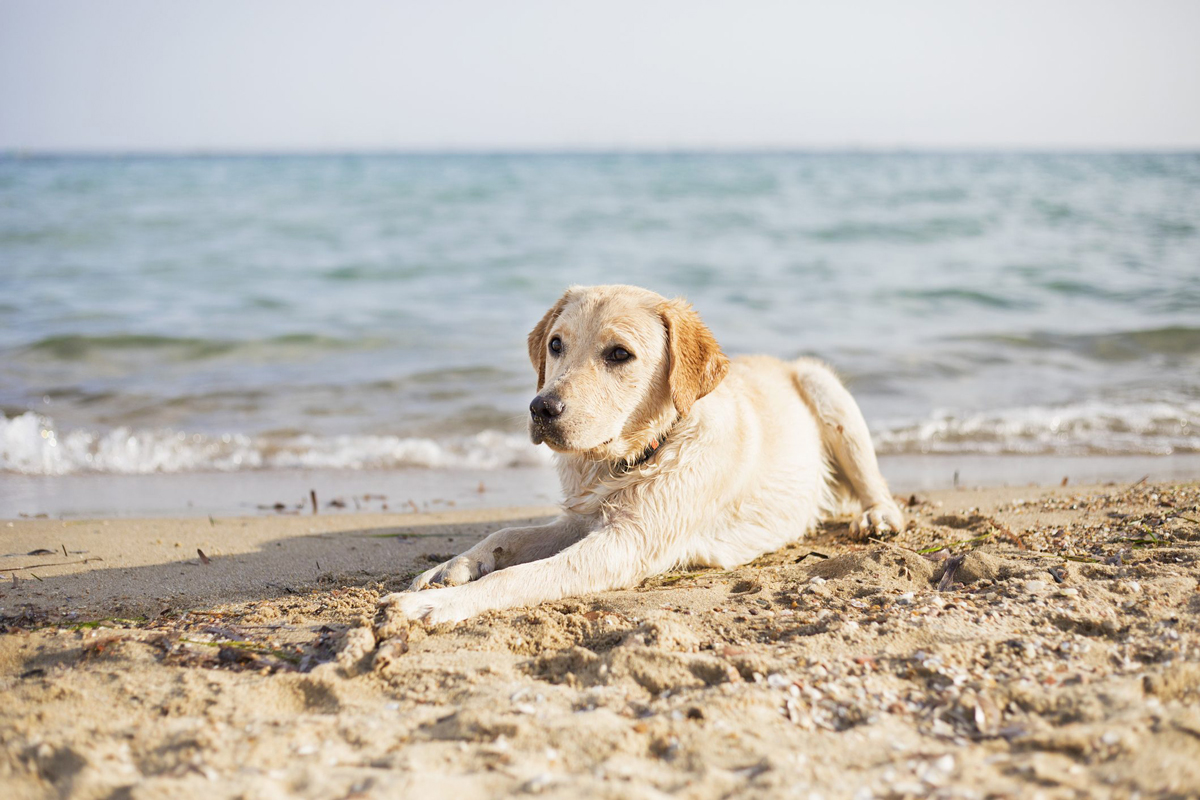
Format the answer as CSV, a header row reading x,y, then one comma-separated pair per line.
x,y
537,338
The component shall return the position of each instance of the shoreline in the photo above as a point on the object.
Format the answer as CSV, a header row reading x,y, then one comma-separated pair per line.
x,y
1009,641
257,492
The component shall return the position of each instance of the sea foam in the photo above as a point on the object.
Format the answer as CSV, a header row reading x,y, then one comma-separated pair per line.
x,y
1090,428
32,444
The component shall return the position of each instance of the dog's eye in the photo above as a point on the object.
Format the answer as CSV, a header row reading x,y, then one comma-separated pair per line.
x,y
619,354
556,345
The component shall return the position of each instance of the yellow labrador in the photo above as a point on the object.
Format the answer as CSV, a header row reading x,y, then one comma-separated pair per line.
x,y
669,454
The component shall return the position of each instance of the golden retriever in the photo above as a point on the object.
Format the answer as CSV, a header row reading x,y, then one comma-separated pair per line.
x,y
669,454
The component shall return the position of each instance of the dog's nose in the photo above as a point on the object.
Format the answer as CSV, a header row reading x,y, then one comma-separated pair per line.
x,y
546,407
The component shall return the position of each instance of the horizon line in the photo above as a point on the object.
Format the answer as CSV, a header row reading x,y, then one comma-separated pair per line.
x,y
221,152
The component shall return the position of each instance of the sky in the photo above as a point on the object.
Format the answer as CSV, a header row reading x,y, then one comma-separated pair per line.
x,y
293,75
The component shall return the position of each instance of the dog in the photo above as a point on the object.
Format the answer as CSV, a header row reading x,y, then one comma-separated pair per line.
x,y
669,454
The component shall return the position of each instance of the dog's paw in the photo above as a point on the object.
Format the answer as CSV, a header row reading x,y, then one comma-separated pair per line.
x,y
432,607
880,518
455,572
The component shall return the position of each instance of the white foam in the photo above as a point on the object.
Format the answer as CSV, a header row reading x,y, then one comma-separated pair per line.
x,y
1094,428
32,444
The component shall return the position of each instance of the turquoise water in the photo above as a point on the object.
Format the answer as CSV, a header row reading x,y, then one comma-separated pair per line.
x,y
365,311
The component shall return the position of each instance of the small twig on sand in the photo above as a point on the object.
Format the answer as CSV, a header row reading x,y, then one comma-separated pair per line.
x,y
312,495
54,564
952,565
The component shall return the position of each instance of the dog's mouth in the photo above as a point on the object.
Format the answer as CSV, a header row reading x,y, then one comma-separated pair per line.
x,y
540,434
554,444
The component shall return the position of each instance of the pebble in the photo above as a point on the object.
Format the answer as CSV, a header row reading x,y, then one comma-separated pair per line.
x,y
816,580
1070,591
777,681
1033,587
538,783
905,599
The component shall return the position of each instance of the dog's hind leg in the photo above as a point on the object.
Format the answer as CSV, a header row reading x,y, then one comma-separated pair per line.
x,y
848,445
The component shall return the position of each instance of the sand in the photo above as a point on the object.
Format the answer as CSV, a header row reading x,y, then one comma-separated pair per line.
x,y
1049,648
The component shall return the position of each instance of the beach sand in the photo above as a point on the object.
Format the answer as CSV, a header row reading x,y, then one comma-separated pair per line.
x,y
1052,647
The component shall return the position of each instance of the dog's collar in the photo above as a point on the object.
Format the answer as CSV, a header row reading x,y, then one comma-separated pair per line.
x,y
655,443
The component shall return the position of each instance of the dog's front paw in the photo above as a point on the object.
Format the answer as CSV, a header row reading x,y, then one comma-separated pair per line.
x,y
456,571
880,518
432,607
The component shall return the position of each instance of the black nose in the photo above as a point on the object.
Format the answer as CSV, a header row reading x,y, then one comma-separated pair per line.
x,y
546,407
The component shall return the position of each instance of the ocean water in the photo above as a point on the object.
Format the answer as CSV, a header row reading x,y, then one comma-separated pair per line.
x,y
365,312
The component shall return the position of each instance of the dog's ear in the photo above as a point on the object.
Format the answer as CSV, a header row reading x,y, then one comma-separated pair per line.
x,y
537,338
697,364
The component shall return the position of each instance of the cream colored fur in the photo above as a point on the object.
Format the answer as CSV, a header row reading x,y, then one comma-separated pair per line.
x,y
755,452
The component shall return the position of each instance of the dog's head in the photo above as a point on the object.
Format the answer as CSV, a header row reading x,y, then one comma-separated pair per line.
x,y
616,366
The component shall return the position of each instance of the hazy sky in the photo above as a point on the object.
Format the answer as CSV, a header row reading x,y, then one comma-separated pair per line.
x,y
516,74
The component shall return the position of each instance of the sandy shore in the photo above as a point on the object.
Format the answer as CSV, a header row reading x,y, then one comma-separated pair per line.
x,y
1050,647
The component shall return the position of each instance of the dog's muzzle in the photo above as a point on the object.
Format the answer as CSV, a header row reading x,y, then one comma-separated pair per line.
x,y
544,413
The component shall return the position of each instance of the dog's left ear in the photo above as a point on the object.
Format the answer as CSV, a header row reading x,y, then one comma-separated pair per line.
x,y
537,338
697,364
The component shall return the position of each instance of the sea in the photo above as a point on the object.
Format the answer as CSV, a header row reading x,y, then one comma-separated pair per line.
x,y
266,313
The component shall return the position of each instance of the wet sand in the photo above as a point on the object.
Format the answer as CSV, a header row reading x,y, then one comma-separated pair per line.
x,y
1009,642
84,495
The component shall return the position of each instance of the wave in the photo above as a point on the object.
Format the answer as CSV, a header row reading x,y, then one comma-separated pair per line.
x,y
33,445
1096,428
959,295
1170,342
78,347
907,232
